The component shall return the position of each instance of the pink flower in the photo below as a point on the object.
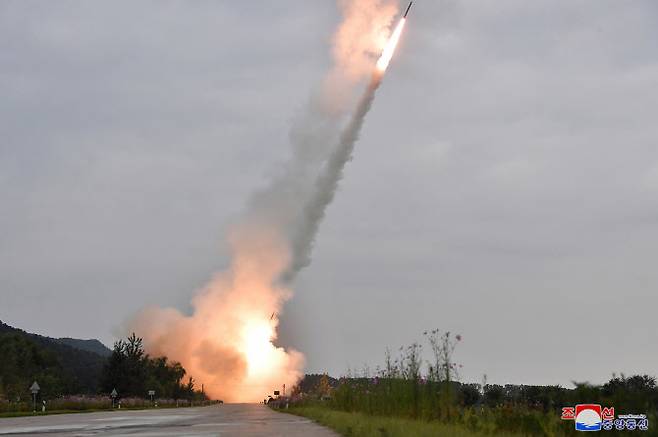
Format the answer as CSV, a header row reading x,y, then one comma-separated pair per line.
x,y
458,337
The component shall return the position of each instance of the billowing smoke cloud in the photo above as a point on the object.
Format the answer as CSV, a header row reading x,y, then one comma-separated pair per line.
x,y
228,342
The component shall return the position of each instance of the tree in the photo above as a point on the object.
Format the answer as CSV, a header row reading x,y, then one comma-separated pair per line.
x,y
470,394
323,388
494,395
126,369
23,361
636,393
132,372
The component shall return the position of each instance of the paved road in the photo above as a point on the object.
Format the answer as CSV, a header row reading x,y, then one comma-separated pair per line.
x,y
217,420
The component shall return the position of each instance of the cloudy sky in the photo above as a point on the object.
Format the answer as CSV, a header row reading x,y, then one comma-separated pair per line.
x,y
504,187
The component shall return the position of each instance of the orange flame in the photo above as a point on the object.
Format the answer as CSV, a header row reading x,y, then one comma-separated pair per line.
x,y
392,43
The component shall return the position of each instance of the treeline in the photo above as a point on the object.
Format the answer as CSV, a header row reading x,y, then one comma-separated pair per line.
x,y
315,383
429,400
411,387
22,361
132,372
492,409
637,393
62,369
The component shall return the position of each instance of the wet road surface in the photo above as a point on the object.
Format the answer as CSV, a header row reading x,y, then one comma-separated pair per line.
x,y
218,420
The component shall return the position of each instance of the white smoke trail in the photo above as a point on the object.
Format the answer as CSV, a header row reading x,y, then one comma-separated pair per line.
x,y
228,342
326,183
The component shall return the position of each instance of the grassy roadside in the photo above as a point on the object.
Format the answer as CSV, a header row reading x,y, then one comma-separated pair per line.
x,y
48,413
362,425
87,410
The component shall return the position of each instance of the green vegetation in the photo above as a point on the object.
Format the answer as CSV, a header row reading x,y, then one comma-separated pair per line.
x,y
89,404
73,379
416,397
529,410
59,368
132,372
22,361
364,425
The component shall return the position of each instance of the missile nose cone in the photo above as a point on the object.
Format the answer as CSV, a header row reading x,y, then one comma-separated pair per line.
x,y
407,11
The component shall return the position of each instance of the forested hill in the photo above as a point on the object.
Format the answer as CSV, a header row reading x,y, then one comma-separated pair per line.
x,y
60,365
94,345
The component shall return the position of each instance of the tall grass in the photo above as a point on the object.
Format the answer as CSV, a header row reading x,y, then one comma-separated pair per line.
x,y
365,425
93,403
411,389
427,402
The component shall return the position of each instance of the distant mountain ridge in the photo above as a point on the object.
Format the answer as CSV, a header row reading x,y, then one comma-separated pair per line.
x,y
75,364
92,345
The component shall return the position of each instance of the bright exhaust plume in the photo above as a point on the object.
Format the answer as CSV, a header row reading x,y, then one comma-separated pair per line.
x,y
389,49
228,342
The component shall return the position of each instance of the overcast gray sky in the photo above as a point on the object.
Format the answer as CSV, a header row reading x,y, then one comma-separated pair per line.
x,y
504,186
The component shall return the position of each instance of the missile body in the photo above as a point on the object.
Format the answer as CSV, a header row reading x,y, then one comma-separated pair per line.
x,y
407,11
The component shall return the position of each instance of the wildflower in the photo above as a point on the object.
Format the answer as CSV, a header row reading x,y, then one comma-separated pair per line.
x,y
458,337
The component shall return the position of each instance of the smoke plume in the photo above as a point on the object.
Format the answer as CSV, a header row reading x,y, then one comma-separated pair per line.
x,y
228,342
325,186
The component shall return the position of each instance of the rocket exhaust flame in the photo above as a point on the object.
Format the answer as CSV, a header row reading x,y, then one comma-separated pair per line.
x,y
387,54
228,343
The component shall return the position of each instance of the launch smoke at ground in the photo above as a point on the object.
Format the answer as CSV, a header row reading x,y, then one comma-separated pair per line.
x,y
228,342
